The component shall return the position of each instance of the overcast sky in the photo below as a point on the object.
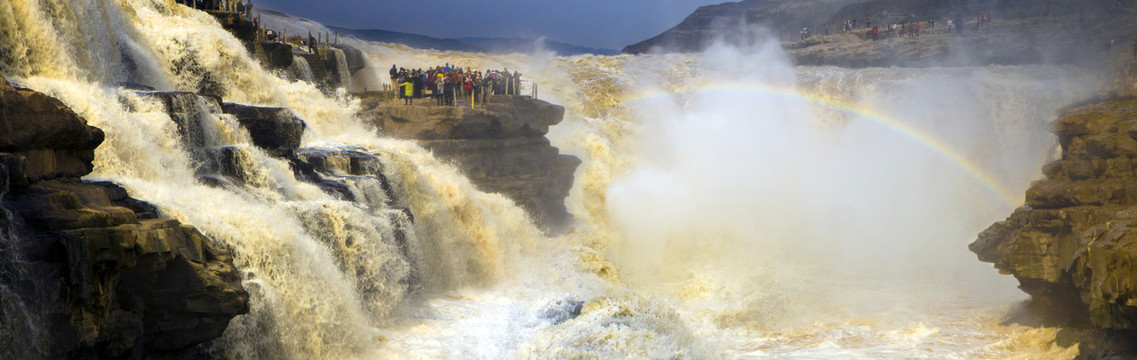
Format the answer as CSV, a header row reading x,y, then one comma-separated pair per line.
x,y
610,24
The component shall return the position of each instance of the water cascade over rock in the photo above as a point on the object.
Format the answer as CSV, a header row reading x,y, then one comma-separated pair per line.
x,y
313,206
731,204
300,70
106,274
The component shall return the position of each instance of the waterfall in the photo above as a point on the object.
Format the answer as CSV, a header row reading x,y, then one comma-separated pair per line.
x,y
300,70
343,73
324,261
368,77
727,206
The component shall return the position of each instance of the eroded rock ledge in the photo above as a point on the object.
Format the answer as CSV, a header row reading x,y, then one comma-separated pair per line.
x,y
501,147
1073,246
100,274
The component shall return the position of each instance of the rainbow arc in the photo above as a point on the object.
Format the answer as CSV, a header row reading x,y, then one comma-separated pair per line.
x,y
916,135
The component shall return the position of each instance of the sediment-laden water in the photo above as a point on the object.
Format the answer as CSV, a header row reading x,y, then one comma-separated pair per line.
x,y
729,205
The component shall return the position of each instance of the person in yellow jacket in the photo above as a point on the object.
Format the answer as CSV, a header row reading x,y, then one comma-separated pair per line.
x,y
407,90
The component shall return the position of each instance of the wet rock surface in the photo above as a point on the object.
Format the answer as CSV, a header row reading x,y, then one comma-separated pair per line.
x,y
501,147
274,129
1073,246
561,311
105,275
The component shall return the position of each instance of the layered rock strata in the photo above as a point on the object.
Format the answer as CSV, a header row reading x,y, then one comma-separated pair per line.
x,y
100,274
500,146
1073,246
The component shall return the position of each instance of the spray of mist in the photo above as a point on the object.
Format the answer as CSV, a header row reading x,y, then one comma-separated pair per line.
x,y
751,195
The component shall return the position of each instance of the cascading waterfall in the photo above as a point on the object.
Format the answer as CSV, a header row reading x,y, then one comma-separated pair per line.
x,y
300,70
343,75
730,205
322,272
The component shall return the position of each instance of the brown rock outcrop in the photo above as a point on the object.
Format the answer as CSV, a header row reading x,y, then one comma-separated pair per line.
x,y
501,147
273,129
1073,246
103,275
503,117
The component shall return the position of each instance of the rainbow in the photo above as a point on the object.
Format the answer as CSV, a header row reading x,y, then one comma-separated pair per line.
x,y
937,146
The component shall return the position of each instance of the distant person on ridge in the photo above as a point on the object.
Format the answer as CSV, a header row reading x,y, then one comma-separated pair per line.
x,y
505,75
440,90
394,76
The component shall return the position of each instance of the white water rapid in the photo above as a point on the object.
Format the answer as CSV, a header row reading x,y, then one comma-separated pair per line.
x,y
730,205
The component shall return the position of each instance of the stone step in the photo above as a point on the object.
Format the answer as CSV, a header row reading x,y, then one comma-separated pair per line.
x,y
259,54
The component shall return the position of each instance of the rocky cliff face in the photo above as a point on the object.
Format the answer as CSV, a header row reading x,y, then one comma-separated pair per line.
x,y
1023,31
727,20
1073,246
501,147
97,274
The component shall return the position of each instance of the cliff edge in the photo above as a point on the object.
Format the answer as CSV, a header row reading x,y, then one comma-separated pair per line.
x,y
500,146
1073,246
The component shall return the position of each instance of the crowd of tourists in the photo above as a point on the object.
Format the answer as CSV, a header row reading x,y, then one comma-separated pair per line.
x,y
446,84
908,29
239,6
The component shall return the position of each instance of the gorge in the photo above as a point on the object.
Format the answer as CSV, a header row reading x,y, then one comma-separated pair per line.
x,y
171,190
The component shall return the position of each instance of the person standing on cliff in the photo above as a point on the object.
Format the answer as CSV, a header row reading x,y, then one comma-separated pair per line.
x,y
418,82
407,90
507,77
440,92
394,76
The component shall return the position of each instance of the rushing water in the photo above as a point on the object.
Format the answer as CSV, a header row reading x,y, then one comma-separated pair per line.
x,y
730,204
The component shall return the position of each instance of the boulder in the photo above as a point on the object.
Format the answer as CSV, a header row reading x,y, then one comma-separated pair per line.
x,y
30,120
41,138
561,311
273,129
277,54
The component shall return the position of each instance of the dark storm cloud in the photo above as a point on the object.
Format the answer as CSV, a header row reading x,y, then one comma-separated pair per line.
x,y
597,23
